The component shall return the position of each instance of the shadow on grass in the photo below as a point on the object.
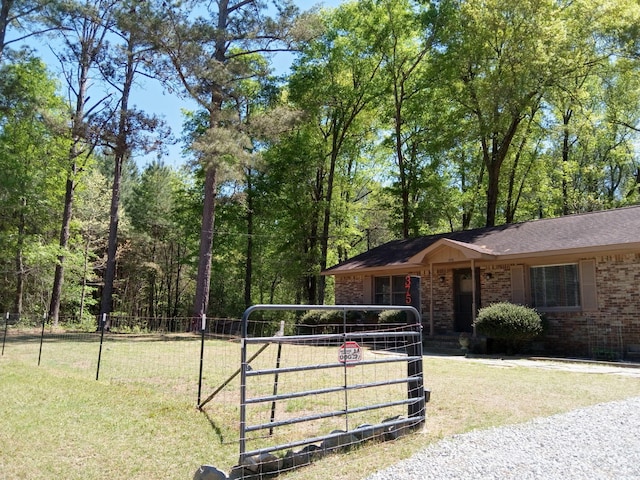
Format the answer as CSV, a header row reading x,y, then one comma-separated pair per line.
x,y
216,429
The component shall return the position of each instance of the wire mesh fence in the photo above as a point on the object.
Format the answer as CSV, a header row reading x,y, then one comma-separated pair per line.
x,y
159,354
284,375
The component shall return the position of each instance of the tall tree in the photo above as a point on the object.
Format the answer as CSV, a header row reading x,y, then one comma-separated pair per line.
x,y
32,142
207,55
336,82
126,131
84,27
395,29
499,58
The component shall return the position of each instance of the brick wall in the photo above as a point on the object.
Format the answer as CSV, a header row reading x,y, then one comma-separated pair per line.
x,y
606,332
349,290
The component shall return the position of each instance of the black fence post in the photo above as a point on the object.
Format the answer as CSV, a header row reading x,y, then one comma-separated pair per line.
x,y
203,327
102,323
415,372
44,321
414,347
6,325
276,376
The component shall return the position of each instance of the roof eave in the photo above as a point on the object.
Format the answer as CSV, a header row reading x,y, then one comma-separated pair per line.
x,y
618,248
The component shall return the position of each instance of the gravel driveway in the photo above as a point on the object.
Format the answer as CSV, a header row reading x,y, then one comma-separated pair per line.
x,y
598,442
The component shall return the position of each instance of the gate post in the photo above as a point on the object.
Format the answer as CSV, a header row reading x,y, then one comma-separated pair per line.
x,y
414,371
413,298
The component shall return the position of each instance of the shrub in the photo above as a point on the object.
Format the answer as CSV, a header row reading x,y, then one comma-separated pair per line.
x,y
514,324
312,317
327,321
392,316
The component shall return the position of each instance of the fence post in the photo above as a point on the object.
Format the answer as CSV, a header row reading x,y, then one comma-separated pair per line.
x,y
414,370
6,325
203,327
102,323
276,376
44,320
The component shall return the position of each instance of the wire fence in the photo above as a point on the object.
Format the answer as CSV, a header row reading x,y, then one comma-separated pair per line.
x,y
276,356
162,354
173,354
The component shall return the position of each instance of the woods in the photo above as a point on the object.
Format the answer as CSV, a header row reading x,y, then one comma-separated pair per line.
x,y
397,118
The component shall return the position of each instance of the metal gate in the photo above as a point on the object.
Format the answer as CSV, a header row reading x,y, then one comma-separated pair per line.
x,y
330,387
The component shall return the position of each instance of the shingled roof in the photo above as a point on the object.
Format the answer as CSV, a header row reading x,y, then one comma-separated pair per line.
x,y
606,229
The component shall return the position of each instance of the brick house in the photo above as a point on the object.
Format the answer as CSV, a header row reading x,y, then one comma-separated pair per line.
x,y
581,271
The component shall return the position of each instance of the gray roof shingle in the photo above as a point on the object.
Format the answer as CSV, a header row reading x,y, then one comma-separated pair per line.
x,y
607,228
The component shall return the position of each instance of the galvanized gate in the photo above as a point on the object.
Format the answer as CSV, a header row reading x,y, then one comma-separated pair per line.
x,y
330,387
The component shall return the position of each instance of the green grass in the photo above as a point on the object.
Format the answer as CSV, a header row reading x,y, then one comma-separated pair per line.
x,y
61,426
139,421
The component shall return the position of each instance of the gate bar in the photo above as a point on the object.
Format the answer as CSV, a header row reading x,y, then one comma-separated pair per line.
x,y
308,441
325,366
320,416
327,390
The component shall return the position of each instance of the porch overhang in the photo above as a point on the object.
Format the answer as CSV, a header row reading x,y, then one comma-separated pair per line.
x,y
448,251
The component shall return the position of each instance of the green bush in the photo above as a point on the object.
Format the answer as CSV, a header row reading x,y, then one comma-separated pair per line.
x,y
312,317
392,316
329,317
514,324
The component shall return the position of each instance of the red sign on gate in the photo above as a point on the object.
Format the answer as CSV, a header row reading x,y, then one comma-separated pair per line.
x,y
350,353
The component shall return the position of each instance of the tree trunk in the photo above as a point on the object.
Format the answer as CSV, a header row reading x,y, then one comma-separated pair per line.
x,y
248,275
404,184
203,279
493,188
566,117
20,273
58,279
106,303
85,270
5,6
494,158
324,240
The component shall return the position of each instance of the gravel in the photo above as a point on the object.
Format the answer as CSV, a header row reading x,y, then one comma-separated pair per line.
x,y
598,442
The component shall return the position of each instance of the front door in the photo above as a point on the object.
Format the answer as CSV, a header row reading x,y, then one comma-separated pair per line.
x,y
463,299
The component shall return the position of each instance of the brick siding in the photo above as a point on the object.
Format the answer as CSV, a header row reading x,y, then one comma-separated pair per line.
x,y
605,333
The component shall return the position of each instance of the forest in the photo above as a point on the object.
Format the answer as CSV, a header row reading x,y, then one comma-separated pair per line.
x,y
397,118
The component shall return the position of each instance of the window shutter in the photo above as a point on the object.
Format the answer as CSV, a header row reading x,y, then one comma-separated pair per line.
x,y
518,295
366,290
588,293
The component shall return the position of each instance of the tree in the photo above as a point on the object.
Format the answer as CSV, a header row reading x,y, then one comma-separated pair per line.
x,y
335,82
31,148
126,130
84,28
396,29
20,14
154,264
92,218
207,56
499,58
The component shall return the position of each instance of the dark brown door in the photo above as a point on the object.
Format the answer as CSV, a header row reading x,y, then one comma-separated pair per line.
x,y
463,298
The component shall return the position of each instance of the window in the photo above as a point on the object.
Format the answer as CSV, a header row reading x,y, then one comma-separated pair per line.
x,y
555,286
389,290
